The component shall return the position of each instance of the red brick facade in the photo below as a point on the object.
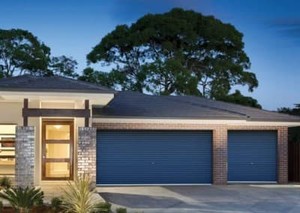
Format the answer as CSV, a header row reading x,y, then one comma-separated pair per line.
x,y
219,143
220,155
282,155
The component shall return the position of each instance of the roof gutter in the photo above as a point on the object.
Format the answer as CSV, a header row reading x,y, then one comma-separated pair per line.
x,y
196,121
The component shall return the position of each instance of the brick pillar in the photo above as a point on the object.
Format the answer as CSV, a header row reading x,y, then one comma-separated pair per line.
x,y
282,138
25,154
87,151
220,156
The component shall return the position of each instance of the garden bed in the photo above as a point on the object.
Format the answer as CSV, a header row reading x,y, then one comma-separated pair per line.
x,y
44,209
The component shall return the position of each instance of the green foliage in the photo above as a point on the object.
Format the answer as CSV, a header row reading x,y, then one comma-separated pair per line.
x,y
23,199
168,79
22,53
56,204
5,183
290,111
121,210
178,52
63,66
102,208
77,196
1,206
238,98
111,79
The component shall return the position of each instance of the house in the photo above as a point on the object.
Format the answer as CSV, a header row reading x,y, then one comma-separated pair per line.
x,y
53,128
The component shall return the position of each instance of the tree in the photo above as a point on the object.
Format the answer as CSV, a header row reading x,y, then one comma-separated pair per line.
x,y
290,111
178,52
22,53
103,78
238,98
63,66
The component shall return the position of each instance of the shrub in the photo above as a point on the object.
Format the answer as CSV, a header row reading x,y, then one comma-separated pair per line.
x,y
78,196
121,210
102,208
5,183
56,204
1,206
23,199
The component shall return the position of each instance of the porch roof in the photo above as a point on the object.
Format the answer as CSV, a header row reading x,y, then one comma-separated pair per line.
x,y
29,83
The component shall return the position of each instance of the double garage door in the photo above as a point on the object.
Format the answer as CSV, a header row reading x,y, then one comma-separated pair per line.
x,y
181,157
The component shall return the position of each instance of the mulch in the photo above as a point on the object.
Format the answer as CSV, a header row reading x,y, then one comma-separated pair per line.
x,y
42,209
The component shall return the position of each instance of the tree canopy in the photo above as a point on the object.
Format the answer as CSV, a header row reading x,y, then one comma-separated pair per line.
x,y
178,52
238,98
291,111
22,53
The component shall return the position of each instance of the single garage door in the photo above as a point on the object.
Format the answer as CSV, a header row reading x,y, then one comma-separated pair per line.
x,y
154,157
252,156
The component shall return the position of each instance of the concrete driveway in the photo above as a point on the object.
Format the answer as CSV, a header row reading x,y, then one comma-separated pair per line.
x,y
223,199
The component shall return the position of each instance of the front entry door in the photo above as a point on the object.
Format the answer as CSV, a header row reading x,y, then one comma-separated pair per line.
x,y
57,150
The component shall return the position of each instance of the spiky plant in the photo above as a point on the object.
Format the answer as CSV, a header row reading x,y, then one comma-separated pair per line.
x,y
78,196
23,199
1,206
56,204
5,182
102,208
121,210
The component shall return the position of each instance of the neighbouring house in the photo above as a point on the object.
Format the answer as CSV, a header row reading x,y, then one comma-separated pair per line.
x,y
53,128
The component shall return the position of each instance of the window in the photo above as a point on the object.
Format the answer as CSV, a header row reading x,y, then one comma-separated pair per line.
x,y
7,150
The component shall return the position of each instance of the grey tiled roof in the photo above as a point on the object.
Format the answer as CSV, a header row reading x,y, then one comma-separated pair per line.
x,y
50,84
132,104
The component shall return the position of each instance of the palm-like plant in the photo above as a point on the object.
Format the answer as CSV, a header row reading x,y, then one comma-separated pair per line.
x,y
5,182
78,196
23,199
1,206
56,204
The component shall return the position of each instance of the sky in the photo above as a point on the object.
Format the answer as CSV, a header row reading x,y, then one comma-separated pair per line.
x,y
271,31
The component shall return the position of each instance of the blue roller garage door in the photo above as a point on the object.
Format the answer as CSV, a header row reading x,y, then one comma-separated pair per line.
x,y
252,156
154,157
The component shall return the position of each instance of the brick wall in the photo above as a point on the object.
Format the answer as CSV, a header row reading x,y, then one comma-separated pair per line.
x,y
220,155
282,155
25,156
219,142
87,152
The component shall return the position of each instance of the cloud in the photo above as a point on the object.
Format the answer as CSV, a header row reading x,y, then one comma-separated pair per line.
x,y
289,28
286,22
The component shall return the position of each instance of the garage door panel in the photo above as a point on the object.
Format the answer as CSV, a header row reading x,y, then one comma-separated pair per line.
x,y
252,156
153,157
